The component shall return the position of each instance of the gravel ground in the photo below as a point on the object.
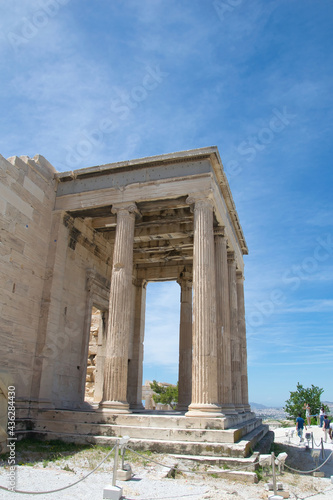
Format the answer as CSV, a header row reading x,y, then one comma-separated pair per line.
x,y
150,481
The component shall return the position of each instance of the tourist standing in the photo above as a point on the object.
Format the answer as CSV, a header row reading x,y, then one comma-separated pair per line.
x,y
321,416
300,427
326,427
331,432
307,413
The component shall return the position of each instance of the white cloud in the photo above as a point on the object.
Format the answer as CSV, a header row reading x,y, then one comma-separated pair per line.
x,y
322,218
310,306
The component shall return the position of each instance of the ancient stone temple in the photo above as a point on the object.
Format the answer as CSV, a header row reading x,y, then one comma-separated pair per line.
x,y
88,241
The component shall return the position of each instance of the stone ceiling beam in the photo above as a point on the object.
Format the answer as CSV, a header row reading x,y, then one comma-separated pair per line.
x,y
103,222
165,271
172,255
163,221
159,205
163,232
179,246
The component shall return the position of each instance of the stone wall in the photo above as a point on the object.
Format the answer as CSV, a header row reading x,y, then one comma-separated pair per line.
x,y
46,257
27,196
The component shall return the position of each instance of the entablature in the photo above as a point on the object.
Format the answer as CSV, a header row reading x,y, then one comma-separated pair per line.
x,y
162,188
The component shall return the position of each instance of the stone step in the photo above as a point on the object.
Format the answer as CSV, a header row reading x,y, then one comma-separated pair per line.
x,y
244,476
173,433
174,420
240,449
174,428
248,464
250,440
164,433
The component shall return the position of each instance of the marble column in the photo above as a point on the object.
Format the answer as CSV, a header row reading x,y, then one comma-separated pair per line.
x,y
185,342
120,311
204,400
234,336
135,365
242,339
224,380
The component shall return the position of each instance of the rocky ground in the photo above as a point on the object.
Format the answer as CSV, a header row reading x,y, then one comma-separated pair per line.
x,y
150,479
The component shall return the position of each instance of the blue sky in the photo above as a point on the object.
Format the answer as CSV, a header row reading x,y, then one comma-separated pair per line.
x,y
91,82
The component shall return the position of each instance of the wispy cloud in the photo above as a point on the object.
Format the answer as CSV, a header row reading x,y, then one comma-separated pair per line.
x,y
316,362
311,306
322,218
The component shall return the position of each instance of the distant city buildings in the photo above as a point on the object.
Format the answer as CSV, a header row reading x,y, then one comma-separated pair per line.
x,y
274,413
279,413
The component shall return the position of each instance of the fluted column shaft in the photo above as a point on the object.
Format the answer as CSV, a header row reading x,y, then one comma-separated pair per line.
x,y
120,309
185,343
234,336
224,380
242,339
135,366
204,363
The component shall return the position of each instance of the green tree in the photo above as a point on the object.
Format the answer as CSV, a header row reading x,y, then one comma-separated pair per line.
x,y
167,395
311,395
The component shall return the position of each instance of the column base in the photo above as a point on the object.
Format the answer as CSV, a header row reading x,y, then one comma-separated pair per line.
x,y
204,410
229,409
239,408
247,408
114,406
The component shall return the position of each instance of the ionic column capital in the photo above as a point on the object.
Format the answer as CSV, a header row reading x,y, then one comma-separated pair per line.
x,y
125,208
231,256
219,231
240,276
139,282
185,279
203,199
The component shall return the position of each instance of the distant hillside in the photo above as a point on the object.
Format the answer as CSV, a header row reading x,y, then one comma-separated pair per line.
x,y
258,406
329,404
